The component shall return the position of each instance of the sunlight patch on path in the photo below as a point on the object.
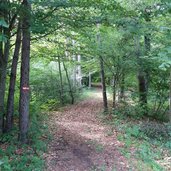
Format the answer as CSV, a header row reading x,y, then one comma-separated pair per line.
x,y
91,132
98,94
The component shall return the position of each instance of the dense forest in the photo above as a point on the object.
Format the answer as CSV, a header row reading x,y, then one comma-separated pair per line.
x,y
85,85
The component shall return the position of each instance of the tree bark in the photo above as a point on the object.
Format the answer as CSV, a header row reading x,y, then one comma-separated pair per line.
x,y
122,87
114,92
24,79
142,83
2,95
69,84
144,75
3,71
147,44
142,89
79,75
74,71
105,105
170,98
10,101
61,81
4,54
89,78
102,72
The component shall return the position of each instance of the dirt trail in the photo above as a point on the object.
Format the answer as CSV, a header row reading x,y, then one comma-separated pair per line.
x,y
81,142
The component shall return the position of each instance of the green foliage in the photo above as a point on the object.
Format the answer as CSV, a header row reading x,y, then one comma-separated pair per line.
x,y
45,85
133,131
156,131
165,57
3,23
3,38
55,26
146,154
15,156
132,111
146,141
51,104
5,164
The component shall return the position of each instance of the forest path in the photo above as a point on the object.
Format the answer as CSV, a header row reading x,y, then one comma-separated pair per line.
x,y
81,142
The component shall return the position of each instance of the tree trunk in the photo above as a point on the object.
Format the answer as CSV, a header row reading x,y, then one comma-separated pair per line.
x,y
142,83
3,71
2,95
170,98
24,80
61,81
1,91
69,84
74,71
147,42
114,93
105,105
144,76
142,89
79,76
122,87
89,78
4,54
10,101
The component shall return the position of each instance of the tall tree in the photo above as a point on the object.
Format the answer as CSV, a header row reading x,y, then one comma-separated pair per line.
x,y
24,80
61,82
104,93
69,84
4,53
142,84
102,72
10,101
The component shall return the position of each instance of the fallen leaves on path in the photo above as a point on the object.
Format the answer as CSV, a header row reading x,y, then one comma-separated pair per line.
x,y
81,141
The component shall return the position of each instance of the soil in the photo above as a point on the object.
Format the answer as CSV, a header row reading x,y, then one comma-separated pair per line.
x,y
82,142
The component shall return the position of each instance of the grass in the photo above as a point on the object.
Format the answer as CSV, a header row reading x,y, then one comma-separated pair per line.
x,y
87,93
98,147
146,150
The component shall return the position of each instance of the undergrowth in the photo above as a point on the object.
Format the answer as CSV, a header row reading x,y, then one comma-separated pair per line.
x,y
17,157
148,142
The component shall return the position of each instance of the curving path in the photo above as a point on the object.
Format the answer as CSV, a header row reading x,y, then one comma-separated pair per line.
x,y
82,142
